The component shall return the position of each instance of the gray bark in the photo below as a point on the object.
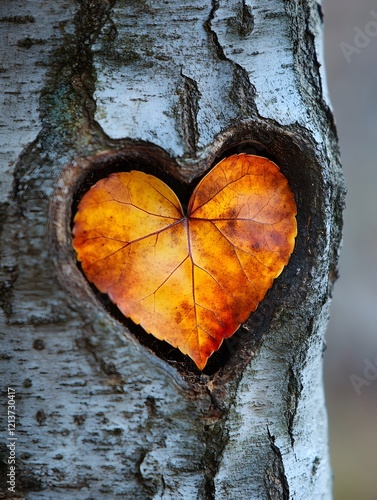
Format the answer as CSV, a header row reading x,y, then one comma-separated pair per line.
x,y
101,411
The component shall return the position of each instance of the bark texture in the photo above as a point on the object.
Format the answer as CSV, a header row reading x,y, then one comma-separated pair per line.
x,y
103,411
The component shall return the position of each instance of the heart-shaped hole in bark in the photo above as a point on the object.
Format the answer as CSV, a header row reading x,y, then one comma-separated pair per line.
x,y
238,287
274,143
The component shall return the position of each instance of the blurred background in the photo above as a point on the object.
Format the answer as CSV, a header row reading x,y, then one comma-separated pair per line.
x,y
351,356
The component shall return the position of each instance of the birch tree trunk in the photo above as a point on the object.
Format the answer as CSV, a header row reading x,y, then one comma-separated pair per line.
x,y
103,410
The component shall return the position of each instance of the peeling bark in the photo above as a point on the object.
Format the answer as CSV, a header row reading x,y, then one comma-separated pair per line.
x,y
102,409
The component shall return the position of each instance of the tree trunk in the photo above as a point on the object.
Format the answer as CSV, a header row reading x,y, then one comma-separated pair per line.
x,y
102,409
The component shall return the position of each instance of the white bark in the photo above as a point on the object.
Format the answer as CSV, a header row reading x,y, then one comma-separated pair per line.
x,y
98,414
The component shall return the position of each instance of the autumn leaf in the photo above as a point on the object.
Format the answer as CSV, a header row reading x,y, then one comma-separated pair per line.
x,y
190,280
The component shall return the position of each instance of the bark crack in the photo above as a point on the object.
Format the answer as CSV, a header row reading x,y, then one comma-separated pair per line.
x,y
293,396
216,438
306,59
242,92
216,441
243,21
212,33
189,97
275,480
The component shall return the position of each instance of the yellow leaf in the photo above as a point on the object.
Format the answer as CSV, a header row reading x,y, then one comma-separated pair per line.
x,y
190,280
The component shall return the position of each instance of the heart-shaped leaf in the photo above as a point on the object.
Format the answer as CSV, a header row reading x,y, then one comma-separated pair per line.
x,y
190,280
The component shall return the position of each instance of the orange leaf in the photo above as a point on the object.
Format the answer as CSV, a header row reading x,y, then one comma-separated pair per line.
x,y
190,280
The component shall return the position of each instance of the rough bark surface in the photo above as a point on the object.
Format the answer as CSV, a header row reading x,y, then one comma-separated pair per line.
x,y
169,86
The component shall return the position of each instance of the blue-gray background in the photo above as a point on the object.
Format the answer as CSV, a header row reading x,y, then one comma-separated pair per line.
x,y
352,334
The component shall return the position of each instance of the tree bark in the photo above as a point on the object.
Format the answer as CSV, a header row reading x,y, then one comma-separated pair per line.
x,y
103,410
